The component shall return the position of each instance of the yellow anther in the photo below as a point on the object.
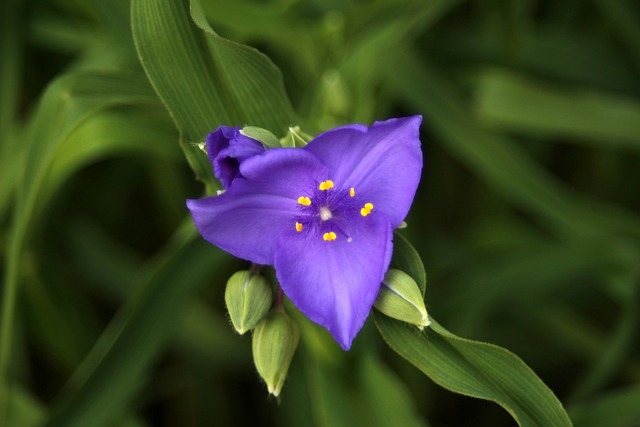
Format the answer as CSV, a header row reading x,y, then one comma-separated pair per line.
x,y
329,236
325,185
298,227
352,192
304,201
366,210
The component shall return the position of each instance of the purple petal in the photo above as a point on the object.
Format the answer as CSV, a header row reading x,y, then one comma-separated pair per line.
x,y
227,148
218,140
383,163
334,283
249,218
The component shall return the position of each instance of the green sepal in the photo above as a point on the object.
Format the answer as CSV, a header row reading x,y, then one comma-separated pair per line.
x,y
401,298
267,139
274,343
248,297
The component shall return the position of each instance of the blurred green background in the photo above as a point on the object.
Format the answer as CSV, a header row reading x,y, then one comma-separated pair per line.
x,y
527,217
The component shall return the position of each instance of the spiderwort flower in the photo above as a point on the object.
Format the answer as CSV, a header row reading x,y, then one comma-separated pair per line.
x,y
323,215
227,148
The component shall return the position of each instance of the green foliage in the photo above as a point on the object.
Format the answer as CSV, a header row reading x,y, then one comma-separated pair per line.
x,y
478,370
112,309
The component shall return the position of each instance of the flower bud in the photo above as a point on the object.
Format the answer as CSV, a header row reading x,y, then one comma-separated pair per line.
x,y
227,148
248,297
267,139
274,342
400,298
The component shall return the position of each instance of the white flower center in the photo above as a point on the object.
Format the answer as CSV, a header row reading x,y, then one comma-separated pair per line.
x,y
325,213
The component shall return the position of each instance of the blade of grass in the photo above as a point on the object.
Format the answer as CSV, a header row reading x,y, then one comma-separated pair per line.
x,y
620,408
476,369
25,410
498,160
11,59
614,352
204,80
105,382
507,100
66,103
624,21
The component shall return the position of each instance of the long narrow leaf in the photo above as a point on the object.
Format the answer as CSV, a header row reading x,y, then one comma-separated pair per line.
x,y
498,161
66,103
204,80
476,369
518,104
104,384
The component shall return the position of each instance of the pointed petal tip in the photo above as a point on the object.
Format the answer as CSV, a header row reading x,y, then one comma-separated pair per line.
x,y
344,341
190,203
345,346
415,120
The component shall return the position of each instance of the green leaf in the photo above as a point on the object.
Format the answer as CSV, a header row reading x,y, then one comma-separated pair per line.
x,y
476,369
24,409
622,19
385,397
106,381
331,401
499,161
468,367
106,135
514,102
620,408
11,75
11,59
250,79
66,104
615,351
407,259
370,395
204,80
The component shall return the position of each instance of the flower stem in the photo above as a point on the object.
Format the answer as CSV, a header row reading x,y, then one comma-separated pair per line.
x,y
279,299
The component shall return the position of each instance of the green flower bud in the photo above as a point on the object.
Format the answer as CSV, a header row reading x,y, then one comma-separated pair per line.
x,y
248,297
274,342
400,298
267,139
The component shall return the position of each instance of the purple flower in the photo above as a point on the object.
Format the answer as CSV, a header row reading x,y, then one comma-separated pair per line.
x,y
227,149
323,215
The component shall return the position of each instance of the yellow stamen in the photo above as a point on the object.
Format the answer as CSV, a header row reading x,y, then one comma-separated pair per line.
x,y
304,201
298,227
352,192
325,185
366,210
329,236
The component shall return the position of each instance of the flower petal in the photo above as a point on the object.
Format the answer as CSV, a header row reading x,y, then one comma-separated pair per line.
x,y
249,218
383,163
227,148
335,282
